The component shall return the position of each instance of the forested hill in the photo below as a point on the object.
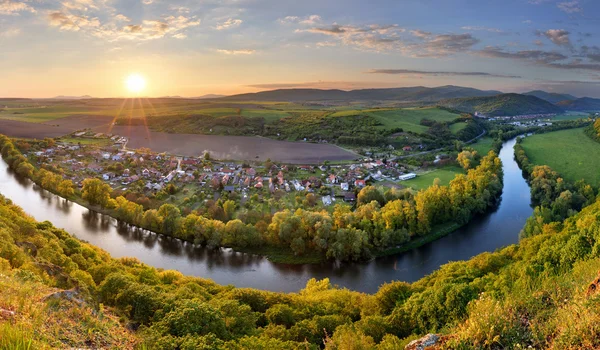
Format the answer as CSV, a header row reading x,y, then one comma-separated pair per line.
x,y
585,104
502,105
551,97
411,94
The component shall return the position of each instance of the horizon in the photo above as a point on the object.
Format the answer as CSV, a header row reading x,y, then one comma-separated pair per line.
x,y
184,48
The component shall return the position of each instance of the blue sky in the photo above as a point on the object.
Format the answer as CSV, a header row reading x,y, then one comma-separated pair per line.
x,y
190,48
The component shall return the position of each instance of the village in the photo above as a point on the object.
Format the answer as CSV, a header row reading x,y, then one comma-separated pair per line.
x,y
87,155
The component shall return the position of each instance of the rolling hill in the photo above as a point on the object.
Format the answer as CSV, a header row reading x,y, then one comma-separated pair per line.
x,y
550,96
585,104
412,94
502,105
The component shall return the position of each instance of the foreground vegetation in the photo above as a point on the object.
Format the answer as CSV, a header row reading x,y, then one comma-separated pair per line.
x,y
59,292
379,222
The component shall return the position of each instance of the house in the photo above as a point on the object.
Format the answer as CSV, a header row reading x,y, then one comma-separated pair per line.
x,y
251,172
344,186
145,173
107,176
360,183
326,200
407,176
229,189
350,197
332,179
407,148
258,185
106,156
227,171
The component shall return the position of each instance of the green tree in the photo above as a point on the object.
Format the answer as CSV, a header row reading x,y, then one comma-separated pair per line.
x,y
96,192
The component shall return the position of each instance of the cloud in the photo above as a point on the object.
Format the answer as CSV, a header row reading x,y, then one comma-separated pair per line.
x,y
69,22
81,5
236,52
447,44
559,37
230,23
9,32
420,33
569,6
308,20
481,28
543,58
9,7
438,73
122,18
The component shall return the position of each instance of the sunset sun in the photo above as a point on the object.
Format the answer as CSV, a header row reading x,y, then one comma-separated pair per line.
x,y
135,83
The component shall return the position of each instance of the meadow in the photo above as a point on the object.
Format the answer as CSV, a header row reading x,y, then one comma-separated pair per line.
x,y
483,145
445,174
571,153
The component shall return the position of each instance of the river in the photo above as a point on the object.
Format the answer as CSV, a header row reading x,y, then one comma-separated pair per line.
x,y
498,228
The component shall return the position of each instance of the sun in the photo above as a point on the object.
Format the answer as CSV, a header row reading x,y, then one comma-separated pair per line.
x,y
135,83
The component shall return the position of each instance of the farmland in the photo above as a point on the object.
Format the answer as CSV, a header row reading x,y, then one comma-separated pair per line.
x,y
569,152
483,145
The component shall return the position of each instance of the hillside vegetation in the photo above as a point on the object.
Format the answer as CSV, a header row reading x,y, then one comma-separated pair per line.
x,y
415,94
585,104
502,105
536,293
551,97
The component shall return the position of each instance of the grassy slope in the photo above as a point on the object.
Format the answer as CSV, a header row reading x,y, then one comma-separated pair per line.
x,y
445,174
483,145
569,152
406,118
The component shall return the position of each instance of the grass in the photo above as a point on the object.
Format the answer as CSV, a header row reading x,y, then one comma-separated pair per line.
x,y
571,153
408,119
269,114
445,174
483,145
87,141
456,127
571,116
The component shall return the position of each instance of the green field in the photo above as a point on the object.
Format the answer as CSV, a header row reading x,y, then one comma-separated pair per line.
x,y
456,127
409,119
269,114
571,116
40,114
571,153
483,145
445,174
87,141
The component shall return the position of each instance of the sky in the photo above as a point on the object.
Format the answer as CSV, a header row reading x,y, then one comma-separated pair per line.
x,y
196,47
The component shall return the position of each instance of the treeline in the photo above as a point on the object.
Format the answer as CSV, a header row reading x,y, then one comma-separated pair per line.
x,y
593,130
533,294
554,198
507,132
380,221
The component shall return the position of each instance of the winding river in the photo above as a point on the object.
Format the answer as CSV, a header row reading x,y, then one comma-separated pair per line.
x,y
493,230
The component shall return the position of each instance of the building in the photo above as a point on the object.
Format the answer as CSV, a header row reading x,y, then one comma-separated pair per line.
x,y
407,176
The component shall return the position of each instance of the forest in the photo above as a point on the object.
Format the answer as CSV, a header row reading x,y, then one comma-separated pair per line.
x,y
380,220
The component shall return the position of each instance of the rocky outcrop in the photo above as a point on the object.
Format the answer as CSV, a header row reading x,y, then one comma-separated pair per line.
x,y
427,342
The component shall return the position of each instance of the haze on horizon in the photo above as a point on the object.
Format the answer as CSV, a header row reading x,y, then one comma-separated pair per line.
x,y
191,48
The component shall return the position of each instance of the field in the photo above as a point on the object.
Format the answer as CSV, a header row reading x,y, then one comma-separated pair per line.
x,y
408,119
571,116
569,152
445,174
483,145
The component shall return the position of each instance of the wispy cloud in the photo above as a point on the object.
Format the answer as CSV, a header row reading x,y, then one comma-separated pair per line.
x,y
482,28
308,20
438,73
543,58
229,23
569,6
236,52
9,7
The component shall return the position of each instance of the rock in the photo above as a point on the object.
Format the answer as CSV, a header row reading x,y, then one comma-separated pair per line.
x,y
423,343
593,287
6,314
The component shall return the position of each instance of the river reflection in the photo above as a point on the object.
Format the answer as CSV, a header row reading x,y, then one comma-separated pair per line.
x,y
495,229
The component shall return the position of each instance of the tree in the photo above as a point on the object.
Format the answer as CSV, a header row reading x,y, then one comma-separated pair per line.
x,y
369,194
467,159
96,192
65,188
170,215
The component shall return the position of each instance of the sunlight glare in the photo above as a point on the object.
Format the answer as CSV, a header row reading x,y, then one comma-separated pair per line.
x,y
135,83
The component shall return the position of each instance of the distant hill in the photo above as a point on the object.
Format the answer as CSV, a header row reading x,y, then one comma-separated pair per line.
x,y
585,104
550,96
502,105
413,94
71,97
208,96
